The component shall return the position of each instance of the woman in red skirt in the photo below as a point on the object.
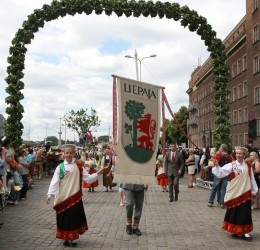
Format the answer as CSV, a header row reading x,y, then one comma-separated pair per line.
x,y
91,168
160,174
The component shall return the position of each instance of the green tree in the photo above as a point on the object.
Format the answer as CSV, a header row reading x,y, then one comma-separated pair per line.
x,y
81,122
173,132
188,18
54,140
134,110
103,138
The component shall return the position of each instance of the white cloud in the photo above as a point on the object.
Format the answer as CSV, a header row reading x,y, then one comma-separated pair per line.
x,y
70,61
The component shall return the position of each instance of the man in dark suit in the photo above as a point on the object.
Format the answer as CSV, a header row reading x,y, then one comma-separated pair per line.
x,y
173,166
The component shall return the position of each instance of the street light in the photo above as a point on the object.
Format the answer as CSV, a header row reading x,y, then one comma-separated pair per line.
x,y
60,134
140,61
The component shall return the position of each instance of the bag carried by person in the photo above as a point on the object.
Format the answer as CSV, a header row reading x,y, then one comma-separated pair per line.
x,y
210,163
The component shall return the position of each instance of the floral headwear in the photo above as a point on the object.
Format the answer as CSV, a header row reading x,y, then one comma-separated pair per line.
x,y
241,149
68,146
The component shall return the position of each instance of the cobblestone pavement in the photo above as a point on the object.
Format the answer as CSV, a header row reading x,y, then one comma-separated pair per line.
x,y
186,224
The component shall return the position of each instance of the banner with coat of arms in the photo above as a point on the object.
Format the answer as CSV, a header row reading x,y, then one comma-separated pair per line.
x,y
139,116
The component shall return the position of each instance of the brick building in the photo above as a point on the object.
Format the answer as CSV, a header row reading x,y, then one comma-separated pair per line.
x,y
243,51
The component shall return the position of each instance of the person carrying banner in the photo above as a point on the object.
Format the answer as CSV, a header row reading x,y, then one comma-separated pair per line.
x,y
134,198
240,188
67,189
173,165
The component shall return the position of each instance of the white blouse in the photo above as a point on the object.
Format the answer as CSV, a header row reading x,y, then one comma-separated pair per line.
x,y
54,186
227,169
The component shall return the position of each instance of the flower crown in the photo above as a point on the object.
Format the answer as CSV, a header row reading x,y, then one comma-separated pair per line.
x,y
92,164
160,159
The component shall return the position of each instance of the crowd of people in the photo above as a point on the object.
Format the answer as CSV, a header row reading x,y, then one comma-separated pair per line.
x,y
21,168
235,178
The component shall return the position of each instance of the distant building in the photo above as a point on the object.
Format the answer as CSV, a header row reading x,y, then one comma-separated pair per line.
x,y
2,119
243,51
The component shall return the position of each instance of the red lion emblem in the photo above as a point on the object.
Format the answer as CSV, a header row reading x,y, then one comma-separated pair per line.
x,y
147,126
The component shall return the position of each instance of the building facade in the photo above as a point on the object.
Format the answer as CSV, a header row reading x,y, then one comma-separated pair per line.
x,y
243,51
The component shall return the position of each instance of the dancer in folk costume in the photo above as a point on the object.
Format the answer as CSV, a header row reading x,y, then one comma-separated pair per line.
x,y
66,187
160,174
241,187
91,165
106,163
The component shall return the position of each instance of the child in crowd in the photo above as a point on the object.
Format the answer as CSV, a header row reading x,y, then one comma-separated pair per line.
x,y
91,165
18,184
121,196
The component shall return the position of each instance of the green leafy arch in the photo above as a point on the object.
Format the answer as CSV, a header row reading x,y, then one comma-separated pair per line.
x,y
188,18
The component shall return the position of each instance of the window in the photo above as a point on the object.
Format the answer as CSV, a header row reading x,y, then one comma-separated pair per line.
x,y
239,91
256,64
255,5
258,127
240,116
245,139
240,140
239,68
257,95
235,140
234,70
244,63
244,88
234,94
255,33
245,117
234,117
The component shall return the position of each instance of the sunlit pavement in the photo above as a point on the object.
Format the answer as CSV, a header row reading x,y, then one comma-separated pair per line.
x,y
186,224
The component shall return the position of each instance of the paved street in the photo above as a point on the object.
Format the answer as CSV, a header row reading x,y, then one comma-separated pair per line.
x,y
186,224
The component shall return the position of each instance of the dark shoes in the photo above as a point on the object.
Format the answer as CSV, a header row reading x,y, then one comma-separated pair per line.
x,y
171,200
234,236
137,231
247,237
66,243
176,197
129,229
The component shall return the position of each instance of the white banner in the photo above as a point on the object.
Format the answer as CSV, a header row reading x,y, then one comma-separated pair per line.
x,y
139,111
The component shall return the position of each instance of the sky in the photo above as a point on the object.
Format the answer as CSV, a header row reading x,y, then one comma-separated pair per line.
x,y
69,63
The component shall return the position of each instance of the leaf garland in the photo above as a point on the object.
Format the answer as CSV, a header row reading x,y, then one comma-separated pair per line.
x,y
188,18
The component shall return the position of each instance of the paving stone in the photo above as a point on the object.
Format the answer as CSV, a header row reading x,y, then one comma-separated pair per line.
x,y
184,225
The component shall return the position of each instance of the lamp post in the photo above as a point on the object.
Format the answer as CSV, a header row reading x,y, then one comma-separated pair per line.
x,y
140,61
60,134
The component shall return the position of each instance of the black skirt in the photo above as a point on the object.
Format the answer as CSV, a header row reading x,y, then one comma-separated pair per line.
x,y
238,220
72,222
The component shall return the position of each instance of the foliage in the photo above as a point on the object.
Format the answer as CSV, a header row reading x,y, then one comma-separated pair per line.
x,y
173,133
54,140
188,18
81,122
133,110
103,138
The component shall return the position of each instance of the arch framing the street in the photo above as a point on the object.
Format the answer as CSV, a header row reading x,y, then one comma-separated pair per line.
x,y
188,18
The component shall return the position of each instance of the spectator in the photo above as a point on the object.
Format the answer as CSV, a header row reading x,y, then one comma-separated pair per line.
x,y
190,163
220,184
256,168
24,172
